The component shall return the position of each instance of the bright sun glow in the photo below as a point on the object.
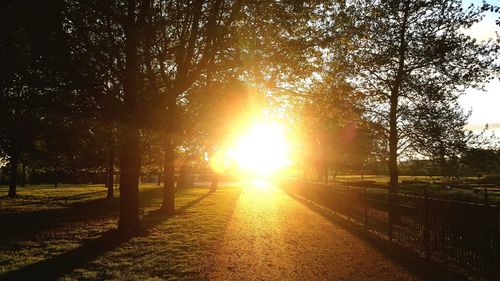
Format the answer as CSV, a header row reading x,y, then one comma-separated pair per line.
x,y
261,150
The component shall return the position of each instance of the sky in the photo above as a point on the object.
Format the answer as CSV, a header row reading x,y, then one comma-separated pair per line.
x,y
485,105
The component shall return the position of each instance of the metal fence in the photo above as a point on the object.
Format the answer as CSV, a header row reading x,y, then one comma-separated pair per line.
x,y
460,234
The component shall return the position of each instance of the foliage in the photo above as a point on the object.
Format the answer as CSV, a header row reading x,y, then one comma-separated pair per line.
x,y
410,51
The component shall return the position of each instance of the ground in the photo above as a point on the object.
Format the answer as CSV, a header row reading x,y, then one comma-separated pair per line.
x,y
239,232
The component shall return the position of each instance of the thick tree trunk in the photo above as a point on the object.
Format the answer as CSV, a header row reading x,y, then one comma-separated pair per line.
x,y
110,172
13,175
129,179
394,99
393,164
393,147
130,162
169,178
393,123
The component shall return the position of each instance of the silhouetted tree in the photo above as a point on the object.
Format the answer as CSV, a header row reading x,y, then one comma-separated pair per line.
x,y
408,48
477,162
34,75
437,130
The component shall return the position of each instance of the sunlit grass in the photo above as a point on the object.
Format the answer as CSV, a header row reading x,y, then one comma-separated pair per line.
x,y
171,247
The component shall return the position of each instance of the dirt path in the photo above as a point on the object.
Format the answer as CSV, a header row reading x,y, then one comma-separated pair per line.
x,y
271,236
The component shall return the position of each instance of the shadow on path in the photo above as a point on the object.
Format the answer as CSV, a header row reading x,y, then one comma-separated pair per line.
x,y
55,267
424,269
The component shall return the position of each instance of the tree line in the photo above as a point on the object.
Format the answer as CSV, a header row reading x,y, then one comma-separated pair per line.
x,y
140,85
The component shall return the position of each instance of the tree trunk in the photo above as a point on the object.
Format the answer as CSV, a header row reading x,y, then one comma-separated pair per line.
x,y
393,147
442,161
393,99
130,162
56,172
215,183
110,171
13,175
169,178
23,175
129,180
158,183
326,173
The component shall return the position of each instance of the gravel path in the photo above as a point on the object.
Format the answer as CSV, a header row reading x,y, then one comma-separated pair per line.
x,y
271,236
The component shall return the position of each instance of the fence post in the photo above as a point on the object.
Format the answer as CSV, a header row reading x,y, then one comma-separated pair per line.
x,y
426,223
488,236
366,208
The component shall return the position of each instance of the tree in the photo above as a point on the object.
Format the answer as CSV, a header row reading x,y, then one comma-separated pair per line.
x,y
477,162
437,129
407,49
130,159
329,123
33,66
189,38
108,35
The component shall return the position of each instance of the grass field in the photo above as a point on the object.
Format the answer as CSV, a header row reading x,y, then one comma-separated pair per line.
x,y
68,233
384,178
416,185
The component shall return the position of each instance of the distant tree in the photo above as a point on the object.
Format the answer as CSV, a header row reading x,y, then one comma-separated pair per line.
x,y
330,120
213,113
480,161
152,155
437,131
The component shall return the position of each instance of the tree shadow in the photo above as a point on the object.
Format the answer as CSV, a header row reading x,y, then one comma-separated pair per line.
x,y
153,218
423,268
57,266
29,224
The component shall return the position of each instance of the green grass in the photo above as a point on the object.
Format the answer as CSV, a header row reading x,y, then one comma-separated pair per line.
x,y
383,179
69,233
43,197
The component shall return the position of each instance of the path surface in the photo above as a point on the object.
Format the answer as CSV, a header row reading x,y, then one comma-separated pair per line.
x,y
271,236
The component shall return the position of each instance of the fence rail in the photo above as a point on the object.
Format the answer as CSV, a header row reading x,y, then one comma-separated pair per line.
x,y
461,234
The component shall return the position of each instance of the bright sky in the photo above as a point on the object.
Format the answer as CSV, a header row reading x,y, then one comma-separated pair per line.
x,y
485,105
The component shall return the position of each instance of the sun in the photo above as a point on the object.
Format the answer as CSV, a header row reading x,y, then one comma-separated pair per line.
x,y
261,150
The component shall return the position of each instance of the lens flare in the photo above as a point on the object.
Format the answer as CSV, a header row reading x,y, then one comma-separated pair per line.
x,y
261,150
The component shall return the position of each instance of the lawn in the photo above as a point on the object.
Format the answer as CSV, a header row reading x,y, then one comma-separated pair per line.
x,y
68,233
416,185
383,179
